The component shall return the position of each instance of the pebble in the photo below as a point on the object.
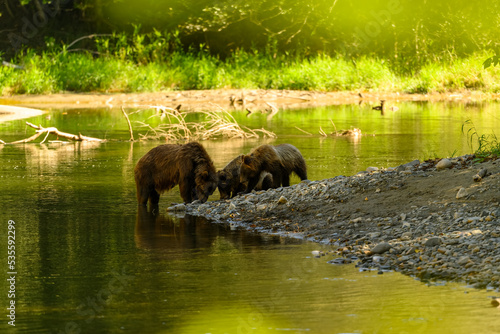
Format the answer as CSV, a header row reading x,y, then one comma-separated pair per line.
x,y
381,248
177,208
462,193
431,242
453,239
444,164
282,200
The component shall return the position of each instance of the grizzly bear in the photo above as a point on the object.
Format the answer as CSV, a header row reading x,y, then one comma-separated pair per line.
x,y
229,180
165,166
280,161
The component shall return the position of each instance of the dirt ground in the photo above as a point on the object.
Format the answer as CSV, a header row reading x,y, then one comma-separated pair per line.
x,y
253,99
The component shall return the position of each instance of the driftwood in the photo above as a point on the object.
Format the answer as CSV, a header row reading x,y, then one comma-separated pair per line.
x,y
41,130
129,125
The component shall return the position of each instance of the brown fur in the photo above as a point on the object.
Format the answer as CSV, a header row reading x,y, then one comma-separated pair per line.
x,y
165,166
229,180
280,161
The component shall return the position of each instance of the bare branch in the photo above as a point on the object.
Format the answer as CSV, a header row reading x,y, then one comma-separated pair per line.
x,y
40,130
129,125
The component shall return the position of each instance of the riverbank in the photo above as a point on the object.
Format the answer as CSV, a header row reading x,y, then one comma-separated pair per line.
x,y
420,219
251,99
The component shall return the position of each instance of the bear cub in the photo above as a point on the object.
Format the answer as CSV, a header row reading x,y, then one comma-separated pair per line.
x,y
280,161
229,180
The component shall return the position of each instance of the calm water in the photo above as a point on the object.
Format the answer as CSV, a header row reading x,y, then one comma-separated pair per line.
x,y
88,261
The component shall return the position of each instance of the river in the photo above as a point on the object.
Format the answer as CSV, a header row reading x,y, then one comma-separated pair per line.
x,y
89,261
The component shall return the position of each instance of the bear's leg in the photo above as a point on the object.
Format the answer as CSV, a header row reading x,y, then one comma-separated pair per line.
x,y
276,176
285,180
301,170
154,197
251,184
239,189
143,193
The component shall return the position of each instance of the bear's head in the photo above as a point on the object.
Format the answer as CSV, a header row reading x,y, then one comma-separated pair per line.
x,y
248,169
206,183
224,183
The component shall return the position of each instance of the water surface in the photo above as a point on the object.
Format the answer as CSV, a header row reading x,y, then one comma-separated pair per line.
x,y
89,261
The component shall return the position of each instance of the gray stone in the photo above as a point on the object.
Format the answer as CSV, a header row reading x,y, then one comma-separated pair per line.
x,y
407,235
434,241
463,260
408,165
282,200
178,207
444,164
381,248
372,169
462,193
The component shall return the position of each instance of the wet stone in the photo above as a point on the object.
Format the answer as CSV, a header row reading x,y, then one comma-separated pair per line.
x,y
381,248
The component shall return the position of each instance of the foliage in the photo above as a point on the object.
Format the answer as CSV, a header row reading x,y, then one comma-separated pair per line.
x,y
157,62
484,146
492,61
406,34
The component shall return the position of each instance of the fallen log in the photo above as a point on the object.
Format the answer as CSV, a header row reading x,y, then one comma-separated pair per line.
x,y
41,130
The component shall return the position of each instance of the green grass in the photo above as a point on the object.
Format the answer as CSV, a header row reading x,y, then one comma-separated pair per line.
x,y
141,67
485,147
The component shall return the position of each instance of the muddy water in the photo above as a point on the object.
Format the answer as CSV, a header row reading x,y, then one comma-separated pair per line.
x,y
88,261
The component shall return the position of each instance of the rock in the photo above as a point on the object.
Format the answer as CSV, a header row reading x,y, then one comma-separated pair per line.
x,y
495,302
282,200
443,164
480,175
407,235
372,169
178,207
316,253
340,261
409,165
463,260
434,241
462,193
381,248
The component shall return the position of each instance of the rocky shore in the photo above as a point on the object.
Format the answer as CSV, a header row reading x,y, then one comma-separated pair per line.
x,y
438,219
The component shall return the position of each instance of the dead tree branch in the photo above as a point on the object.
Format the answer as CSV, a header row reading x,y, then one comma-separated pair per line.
x,y
129,125
41,130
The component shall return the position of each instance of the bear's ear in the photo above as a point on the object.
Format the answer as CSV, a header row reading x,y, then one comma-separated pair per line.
x,y
204,175
247,160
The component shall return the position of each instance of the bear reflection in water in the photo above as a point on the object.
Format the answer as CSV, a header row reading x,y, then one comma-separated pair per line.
x,y
154,230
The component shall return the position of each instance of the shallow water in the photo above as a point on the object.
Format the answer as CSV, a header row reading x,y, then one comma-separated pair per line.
x,y
88,261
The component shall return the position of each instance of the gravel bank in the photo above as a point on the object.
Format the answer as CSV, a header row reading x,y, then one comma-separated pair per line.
x,y
438,219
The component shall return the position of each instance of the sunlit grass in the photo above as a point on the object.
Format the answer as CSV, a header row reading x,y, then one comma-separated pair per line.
x,y
484,146
118,71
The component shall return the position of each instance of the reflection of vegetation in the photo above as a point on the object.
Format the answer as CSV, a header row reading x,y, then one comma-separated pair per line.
x,y
221,246
488,146
213,125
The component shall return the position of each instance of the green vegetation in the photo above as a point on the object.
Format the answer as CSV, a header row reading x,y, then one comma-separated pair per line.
x,y
158,63
485,147
150,45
